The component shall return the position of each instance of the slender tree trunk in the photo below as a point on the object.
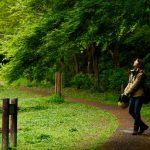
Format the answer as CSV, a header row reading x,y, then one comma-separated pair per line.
x,y
95,59
89,63
76,64
115,56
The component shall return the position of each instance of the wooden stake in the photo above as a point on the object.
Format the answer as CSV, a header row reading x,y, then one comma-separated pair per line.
x,y
5,124
13,129
58,83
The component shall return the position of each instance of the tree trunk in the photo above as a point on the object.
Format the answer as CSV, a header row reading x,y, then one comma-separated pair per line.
x,y
76,64
115,56
90,62
95,56
62,64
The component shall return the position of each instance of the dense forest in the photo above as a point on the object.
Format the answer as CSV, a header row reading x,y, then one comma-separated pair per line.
x,y
93,42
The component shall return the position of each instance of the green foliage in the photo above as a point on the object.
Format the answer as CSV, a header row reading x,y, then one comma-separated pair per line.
x,y
147,68
37,35
79,80
112,79
50,76
55,99
83,81
140,39
117,78
21,82
104,80
67,78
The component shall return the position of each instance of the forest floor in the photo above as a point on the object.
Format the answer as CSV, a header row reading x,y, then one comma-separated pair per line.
x,y
122,138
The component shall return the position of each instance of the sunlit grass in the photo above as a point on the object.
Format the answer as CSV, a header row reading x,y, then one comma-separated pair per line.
x,y
44,125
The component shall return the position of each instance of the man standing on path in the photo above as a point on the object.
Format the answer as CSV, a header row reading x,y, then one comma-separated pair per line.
x,y
136,91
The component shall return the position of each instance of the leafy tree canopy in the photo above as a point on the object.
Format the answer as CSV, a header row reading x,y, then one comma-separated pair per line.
x,y
37,35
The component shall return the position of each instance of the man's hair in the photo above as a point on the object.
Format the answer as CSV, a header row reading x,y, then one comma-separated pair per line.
x,y
141,63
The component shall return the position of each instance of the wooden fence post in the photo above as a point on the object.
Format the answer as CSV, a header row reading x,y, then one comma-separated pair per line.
x,y
9,109
58,83
5,124
13,129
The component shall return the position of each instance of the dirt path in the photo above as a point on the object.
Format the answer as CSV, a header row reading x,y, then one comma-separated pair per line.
x,y
122,138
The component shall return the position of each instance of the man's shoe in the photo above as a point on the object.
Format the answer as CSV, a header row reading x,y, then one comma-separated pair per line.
x,y
135,133
135,130
142,129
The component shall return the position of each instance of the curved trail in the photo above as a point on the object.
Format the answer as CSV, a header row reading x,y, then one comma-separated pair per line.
x,y
122,138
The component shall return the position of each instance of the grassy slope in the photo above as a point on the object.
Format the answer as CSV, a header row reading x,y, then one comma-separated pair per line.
x,y
43,125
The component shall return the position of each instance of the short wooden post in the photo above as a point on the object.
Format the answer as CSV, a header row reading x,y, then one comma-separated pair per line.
x,y
13,128
5,124
9,109
58,83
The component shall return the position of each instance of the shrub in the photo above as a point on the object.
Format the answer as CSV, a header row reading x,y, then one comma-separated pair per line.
x,y
67,78
104,79
112,79
147,70
55,99
50,76
83,81
21,82
119,76
78,80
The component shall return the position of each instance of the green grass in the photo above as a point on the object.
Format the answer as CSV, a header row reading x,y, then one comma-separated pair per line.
x,y
107,97
44,125
146,112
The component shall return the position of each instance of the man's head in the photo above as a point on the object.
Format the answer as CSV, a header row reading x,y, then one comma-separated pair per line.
x,y
138,63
